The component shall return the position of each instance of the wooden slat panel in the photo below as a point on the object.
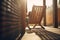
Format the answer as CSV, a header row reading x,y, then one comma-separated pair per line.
x,y
36,15
10,20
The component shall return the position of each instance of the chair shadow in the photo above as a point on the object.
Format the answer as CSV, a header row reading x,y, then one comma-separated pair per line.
x,y
46,35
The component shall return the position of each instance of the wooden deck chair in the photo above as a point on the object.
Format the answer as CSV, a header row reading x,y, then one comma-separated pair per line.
x,y
35,17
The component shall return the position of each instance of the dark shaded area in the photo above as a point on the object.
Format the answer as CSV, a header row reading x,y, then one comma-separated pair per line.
x,y
10,20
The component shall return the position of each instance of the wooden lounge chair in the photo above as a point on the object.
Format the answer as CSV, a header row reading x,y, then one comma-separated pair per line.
x,y
35,17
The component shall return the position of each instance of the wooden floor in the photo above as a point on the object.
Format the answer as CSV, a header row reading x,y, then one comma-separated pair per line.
x,y
48,33
31,36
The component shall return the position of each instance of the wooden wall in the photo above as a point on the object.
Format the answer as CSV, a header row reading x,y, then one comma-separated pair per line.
x,y
49,16
59,16
11,19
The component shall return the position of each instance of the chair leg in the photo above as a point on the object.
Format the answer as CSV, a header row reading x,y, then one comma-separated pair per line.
x,y
34,26
41,26
29,28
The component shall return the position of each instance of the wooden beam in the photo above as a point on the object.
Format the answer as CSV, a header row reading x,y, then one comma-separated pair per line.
x,y
44,4
55,14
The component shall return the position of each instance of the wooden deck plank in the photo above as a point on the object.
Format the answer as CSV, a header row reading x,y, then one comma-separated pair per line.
x,y
46,35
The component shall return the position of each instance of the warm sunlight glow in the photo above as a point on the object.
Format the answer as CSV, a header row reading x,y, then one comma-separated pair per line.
x,y
30,3
49,3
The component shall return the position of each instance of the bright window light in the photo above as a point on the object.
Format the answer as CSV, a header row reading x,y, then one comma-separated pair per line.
x,y
49,3
30,3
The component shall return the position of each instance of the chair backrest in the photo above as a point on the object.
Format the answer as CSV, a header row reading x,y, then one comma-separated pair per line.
x,y
36,15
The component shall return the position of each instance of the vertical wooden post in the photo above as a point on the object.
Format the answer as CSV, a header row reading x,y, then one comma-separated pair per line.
x,y
44,4
55,14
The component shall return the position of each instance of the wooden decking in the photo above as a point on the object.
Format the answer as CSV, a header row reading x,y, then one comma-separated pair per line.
x,y
45,34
